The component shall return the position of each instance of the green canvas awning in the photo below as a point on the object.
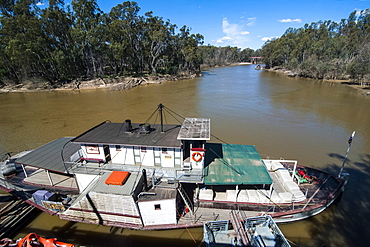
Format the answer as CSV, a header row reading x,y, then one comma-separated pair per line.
x,y
231,164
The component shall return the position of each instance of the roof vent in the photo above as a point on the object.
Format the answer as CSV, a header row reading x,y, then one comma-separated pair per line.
x,y
144,128
128,126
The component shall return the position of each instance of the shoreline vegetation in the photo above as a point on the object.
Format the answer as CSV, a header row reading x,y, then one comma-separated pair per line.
x,y
363,89
125,83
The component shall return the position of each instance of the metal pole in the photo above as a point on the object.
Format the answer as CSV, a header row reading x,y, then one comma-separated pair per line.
x,y
160,106
24,170
345,158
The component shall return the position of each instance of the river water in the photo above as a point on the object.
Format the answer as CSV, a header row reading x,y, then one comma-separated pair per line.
x,y
292,118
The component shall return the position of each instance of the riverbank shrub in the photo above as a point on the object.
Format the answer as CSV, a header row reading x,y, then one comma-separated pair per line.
x,y
324,49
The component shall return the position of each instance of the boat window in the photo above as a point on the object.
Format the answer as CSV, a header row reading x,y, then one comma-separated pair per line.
x,y
143,149
164,150
118,148
157,206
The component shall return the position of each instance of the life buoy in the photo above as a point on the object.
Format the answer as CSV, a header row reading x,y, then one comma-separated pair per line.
x,y
197,156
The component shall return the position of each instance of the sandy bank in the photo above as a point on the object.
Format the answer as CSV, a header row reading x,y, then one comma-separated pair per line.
x,y
115,84
364,89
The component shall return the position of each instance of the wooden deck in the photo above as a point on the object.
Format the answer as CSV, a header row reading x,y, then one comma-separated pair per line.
x,y
212,214
40,177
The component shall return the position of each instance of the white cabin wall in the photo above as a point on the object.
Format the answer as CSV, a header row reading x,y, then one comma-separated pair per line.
x,y
122,155
147,156
152,216
178,157
168,157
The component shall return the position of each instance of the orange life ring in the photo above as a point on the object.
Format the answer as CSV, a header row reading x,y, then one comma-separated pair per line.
x,y
197,156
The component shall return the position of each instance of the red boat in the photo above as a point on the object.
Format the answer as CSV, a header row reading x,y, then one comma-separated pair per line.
x,y
34,240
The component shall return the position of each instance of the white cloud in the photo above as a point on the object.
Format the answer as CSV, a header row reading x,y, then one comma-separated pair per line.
x,y
40,4
269,38
251,21
229,28
291,20
235,35
221,40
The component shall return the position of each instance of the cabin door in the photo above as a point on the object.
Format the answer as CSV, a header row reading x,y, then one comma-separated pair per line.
x,y
106,153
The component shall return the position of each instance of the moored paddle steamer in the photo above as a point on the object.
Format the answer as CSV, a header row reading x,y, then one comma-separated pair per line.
x,y
163,176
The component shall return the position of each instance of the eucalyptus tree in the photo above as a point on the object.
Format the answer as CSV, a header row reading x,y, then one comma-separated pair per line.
x,y
125,34
185,49
57,25
158,35
21,39
87,34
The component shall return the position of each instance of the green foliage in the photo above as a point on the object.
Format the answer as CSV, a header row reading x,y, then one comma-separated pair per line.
x,y
60,43
323,49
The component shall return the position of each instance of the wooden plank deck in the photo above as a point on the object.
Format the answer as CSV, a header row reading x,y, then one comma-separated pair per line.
x,y
212,214
41,178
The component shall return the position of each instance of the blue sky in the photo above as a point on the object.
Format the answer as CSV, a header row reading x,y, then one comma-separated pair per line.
x,y
244,23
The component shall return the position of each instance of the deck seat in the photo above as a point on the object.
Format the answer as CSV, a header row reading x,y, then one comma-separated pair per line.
x,y
286,197
221,196
263,194
253,196
243,196
275,198
231,195
268,164
276,165
283,175
206,194
94,160
292,187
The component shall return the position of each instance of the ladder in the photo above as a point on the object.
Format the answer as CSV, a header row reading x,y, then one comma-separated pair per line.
x,y
186,199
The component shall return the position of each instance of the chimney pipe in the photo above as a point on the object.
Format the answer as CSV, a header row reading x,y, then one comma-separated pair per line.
x,y
145,182
128,127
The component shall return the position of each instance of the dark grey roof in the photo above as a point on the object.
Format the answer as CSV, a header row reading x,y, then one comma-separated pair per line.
x,y
195,129
158,193
49,156
116,134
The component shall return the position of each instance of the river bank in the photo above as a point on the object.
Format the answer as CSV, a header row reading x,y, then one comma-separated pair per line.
x,y
363,89
110,83
124,83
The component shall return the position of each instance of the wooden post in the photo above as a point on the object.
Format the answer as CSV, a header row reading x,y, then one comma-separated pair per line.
x,y
51,182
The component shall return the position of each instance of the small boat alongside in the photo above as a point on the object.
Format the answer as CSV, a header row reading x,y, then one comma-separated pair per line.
x,y
154,175
258,231
263,231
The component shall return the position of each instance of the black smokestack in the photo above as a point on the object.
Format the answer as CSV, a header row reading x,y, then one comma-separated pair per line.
x,y
145,182
128,126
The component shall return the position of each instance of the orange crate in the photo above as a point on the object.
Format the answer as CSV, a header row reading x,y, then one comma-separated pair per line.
x,y
117,178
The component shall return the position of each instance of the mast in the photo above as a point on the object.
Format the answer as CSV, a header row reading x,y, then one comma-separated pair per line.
x,y
160,107
345,158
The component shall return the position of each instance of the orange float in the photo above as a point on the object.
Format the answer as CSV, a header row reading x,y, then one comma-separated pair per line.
x,y
34,240
197,156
